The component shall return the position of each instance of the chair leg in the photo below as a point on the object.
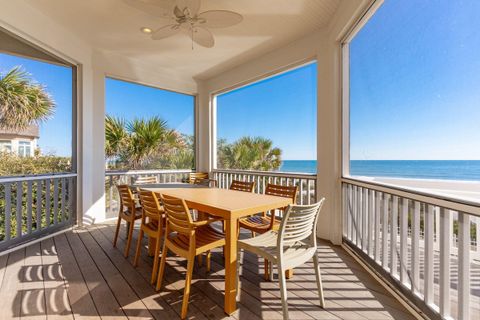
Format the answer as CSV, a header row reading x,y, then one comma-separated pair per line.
x,y
186,292
283,290
209,255
155,261
318,276
270,271
117,230
200,260
139,247
162,267
129,238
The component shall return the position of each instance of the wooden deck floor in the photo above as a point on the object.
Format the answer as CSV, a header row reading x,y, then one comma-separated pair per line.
x,y
80,275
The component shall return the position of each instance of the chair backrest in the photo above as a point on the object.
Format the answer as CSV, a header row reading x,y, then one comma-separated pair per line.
x,y
197,175
242,185
150,205
202,182
126,196
178,215
146,180
299,223
282,191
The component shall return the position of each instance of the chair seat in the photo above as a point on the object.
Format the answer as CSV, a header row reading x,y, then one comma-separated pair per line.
x,y
206,238
265,245
138,213
259,224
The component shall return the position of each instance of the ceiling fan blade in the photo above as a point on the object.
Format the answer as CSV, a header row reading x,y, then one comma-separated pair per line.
x,y
219,18
192,5
203,37
165,32
153,7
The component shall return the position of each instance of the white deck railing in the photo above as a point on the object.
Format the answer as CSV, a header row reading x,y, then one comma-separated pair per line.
x,y
307,183
411,237
113,178
32,206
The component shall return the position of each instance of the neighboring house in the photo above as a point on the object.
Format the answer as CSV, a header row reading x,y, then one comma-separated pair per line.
x,y
22,142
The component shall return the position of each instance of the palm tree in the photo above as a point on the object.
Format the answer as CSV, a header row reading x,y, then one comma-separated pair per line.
x,y
22,101
140,142
249,153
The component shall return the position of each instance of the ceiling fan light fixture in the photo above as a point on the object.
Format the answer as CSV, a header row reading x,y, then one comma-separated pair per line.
x,y
146,30
186,17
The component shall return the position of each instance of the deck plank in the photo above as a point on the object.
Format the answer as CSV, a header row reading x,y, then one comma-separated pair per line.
x,y
159,308
33,289
105,302
79,296
172,292
80,275
11,291
131,304
56,298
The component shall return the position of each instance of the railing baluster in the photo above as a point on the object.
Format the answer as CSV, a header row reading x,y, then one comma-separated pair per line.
x,y
371,221
354,216
429,248
386,201
359,218
19,209
393,238
365,231
445,247
62,200
29,207
47,202
377,225
8,211
71,197
464,266
110,192
39,205
344,210
55,201
415,259
404,242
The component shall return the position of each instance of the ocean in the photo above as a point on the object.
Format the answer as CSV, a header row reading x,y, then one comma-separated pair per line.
x,y
468,170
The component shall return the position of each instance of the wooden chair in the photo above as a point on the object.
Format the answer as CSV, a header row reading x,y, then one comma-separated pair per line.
x,y
152,224
201,178
294,244
128,212
146,180
242,185
263,223
186,238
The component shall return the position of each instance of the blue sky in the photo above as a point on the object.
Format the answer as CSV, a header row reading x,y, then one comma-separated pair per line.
x,y
415,91
129,100
282,108
56,133
415,82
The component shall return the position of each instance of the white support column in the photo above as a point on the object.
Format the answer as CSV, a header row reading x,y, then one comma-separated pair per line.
x,y
329,128
93,148
205,129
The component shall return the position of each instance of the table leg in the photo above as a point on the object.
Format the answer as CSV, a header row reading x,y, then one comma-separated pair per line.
x,y
289,273
230,265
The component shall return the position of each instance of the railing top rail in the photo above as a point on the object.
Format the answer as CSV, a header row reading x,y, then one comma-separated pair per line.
x,y
269,173
10,179
137,172
462,205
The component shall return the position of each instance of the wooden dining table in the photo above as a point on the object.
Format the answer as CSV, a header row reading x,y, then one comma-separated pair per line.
x,y
230,205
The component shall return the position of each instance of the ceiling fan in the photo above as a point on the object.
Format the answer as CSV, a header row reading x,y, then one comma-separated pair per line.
x,y
187,18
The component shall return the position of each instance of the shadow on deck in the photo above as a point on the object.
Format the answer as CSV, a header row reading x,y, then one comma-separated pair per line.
x,y
79,274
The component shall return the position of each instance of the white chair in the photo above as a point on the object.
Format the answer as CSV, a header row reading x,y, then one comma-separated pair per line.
x,y
291,246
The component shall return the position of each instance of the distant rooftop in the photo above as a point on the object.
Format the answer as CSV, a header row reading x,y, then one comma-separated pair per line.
x,y
30,132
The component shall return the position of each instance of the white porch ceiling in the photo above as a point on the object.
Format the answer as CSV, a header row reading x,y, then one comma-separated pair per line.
x,y
113,26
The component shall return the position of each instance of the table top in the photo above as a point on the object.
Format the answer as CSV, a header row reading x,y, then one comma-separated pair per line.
x,y
222,202
167,185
